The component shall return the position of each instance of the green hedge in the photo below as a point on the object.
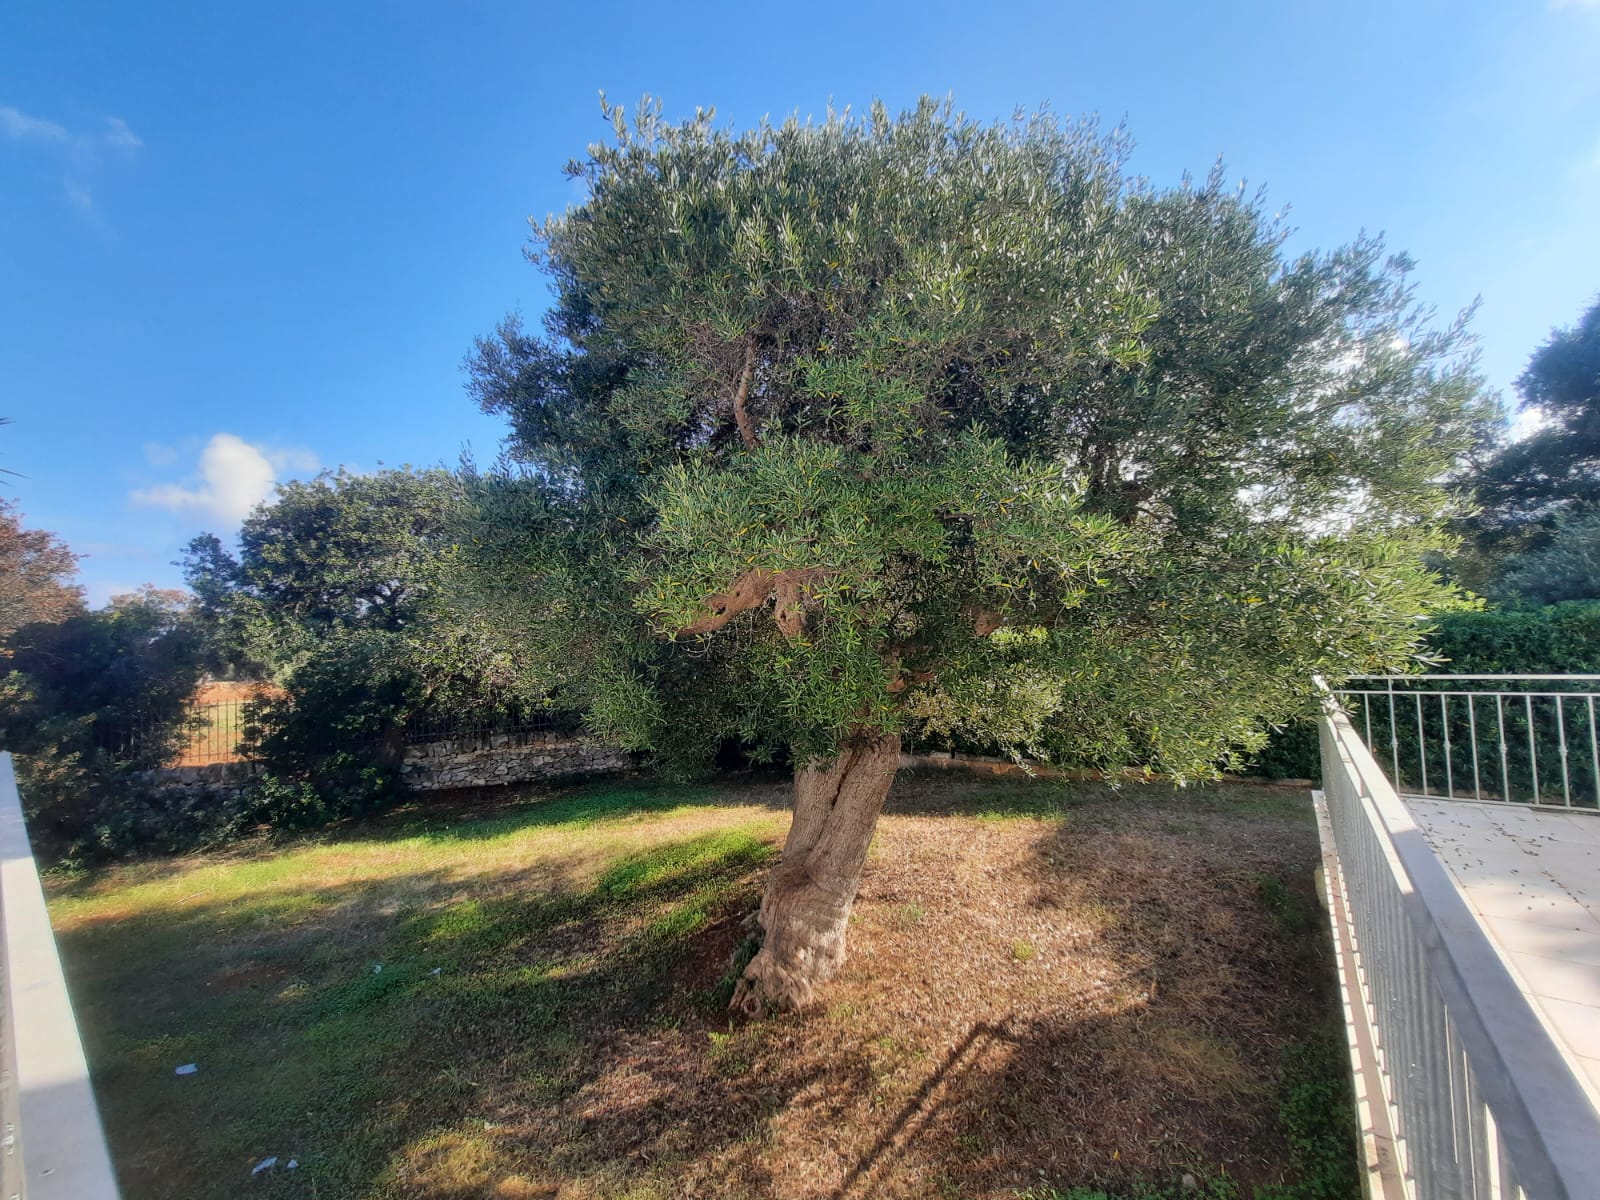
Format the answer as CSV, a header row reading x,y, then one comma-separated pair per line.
x,y
1557,639
1552,640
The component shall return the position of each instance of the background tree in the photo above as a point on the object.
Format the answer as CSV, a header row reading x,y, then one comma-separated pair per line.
x,y
332,598
36,573
1527,488
880,426
330,555
1567,567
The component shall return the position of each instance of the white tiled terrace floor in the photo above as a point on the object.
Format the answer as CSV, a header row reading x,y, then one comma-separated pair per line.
x,y
1533,879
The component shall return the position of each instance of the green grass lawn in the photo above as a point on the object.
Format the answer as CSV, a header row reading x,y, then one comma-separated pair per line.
x,y
528,1001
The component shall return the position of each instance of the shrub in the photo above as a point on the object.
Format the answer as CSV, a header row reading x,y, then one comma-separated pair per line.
x,y
332,740
1551,640
90,702
1291,752
1554,639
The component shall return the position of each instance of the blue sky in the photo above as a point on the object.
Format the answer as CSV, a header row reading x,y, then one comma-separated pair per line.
x,y
240,242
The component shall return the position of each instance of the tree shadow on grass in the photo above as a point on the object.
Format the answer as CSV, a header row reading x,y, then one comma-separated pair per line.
x,y
355,1054
487,814
937,792
1155,1049
577,807
514,809
1227,993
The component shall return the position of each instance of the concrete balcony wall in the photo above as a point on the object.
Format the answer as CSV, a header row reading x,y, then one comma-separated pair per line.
x,y
54,1146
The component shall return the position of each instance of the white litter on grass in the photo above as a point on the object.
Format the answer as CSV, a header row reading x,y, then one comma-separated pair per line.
x,y
291,1164
376,968
186,1069
435,971
266,1164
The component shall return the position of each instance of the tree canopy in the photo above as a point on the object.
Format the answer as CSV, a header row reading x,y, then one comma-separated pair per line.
x,y
898,380
36,573
911,425
86,700
1567,567
1527,486
330,555
333,596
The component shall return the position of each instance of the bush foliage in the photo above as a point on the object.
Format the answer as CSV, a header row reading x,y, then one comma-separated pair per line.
x,y
91,701
1556,639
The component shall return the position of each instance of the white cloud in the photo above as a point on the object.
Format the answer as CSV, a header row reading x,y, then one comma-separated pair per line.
x,y
15,123
81,154
233,477
18,124
292,460
1526,422
119,135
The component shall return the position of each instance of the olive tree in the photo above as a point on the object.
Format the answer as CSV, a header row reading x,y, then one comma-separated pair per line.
x,y
881,426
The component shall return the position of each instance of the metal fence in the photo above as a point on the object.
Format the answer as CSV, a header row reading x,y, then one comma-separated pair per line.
x,y
54,1147
1529,739
205,734
1477,1099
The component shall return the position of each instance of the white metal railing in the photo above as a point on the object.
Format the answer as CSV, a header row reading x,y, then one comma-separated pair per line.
x,y
1477,1101
1531,739
54,1147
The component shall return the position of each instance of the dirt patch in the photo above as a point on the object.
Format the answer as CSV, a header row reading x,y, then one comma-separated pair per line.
x,y
225,691
249,977
1024,1003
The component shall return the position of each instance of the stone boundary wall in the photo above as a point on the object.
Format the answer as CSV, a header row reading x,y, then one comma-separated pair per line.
x,y
215,778
502,758
471,762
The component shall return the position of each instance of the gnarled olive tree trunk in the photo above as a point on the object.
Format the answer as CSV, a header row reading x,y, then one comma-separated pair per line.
x,y
810,891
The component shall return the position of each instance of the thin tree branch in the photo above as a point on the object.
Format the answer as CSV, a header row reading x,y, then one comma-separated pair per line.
x,y
752,590
741,413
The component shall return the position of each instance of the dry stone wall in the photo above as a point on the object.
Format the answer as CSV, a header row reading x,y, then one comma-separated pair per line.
x,y
507,758
437,766
195,782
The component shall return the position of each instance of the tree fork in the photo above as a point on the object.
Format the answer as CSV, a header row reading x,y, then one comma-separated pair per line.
x,y
806,907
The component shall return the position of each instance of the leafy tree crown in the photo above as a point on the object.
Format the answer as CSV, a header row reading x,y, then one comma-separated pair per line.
x,y
912,423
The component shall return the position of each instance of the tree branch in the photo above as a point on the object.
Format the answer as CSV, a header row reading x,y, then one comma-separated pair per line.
x,y
741,414
752,590
984,620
